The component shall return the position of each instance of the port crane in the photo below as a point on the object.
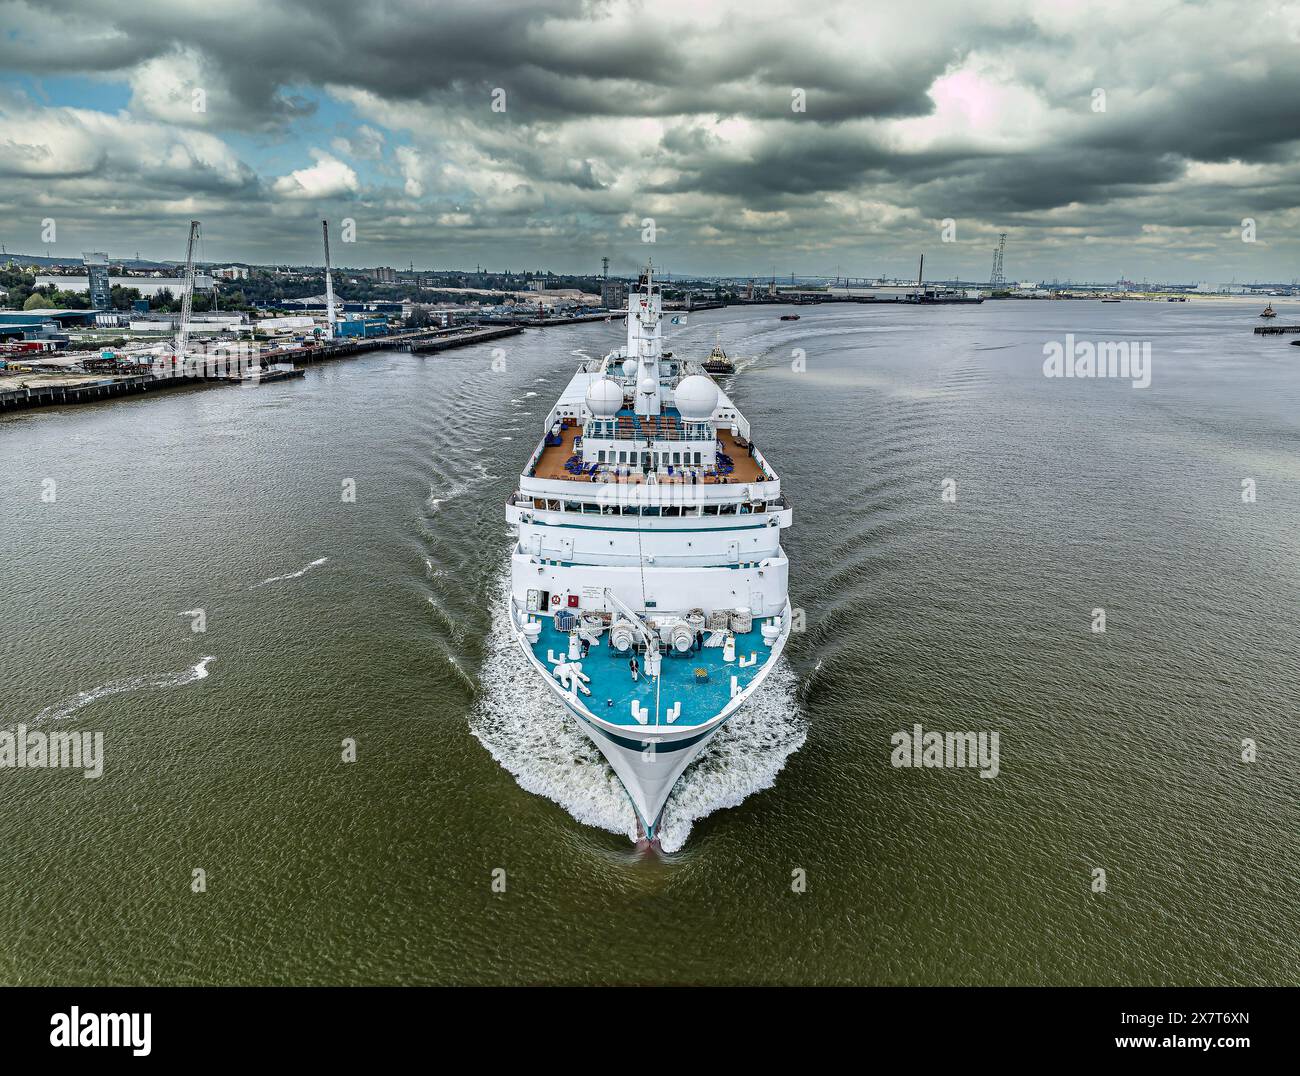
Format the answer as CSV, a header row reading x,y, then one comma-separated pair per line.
x,y
187,302
329,280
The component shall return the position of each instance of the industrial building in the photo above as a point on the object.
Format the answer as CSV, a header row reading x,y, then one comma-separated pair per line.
x,y
363,327
613,294
145,285
47,326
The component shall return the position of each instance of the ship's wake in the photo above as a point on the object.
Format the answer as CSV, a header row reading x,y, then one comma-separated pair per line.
x,y
292,575
69,706
454,488
527,730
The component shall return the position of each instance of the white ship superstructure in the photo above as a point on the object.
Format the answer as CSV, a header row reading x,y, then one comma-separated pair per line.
x,y
648,584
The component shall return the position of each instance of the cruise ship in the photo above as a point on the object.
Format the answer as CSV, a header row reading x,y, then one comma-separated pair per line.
x,y
648,582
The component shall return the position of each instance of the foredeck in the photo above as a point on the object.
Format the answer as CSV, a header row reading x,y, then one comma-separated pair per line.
x,y
551,464
702,697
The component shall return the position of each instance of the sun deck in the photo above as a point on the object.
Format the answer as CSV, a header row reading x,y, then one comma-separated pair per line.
x,y
613,690
554,458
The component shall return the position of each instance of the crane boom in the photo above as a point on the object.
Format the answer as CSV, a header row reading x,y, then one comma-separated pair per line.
x,y
187,301
631,615
329,280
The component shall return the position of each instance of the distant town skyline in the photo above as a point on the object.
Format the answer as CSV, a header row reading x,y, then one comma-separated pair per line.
x,y
753,138
398,275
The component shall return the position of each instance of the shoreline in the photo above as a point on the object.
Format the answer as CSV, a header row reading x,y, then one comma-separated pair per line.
x,y
53,390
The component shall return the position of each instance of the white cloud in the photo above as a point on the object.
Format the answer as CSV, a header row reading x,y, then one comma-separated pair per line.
x,y
412,166
366,144
327,178
181,87
72,142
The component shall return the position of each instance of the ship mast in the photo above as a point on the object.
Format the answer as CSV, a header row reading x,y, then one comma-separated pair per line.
x,y
645,344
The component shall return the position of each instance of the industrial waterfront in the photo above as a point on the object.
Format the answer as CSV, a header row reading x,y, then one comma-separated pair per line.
x,y
342,535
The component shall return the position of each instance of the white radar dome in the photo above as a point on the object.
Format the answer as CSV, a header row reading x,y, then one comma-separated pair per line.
x,y
629,367
604,397
649,386
696,397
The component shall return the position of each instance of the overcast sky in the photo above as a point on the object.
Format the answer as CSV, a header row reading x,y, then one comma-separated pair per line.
x,y
1105,138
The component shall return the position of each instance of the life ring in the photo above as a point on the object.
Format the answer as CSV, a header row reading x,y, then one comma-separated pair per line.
x,y
555,599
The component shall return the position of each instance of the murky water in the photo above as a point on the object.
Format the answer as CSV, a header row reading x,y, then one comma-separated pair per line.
x,y
379,621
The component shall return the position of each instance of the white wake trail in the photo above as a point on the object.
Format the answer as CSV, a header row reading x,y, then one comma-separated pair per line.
x,y
292,575
455,489
130,683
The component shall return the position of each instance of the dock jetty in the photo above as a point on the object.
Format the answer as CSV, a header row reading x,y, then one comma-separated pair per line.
x,y
45,395
44,391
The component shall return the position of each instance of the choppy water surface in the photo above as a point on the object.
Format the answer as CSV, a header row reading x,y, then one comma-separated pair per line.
x,y
380,621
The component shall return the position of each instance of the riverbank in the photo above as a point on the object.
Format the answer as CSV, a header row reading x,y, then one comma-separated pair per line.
x,y
23,389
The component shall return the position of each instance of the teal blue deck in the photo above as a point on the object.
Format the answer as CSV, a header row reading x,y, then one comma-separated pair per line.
x,y
611,678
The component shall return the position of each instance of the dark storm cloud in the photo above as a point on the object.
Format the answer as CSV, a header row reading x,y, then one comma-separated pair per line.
x,y
553,63
913,114
1002,185
1224,117
795,159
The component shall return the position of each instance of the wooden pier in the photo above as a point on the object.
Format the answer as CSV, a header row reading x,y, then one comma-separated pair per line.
x,y
458,338
50,394
1275,330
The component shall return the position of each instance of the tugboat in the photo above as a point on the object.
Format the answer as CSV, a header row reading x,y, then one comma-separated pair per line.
x,y
1269,312
718,362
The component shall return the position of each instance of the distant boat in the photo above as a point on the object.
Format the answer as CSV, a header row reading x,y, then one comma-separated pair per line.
x,y
1176,299
718,362
944,297
277,371
789,317
1269,312
1112,300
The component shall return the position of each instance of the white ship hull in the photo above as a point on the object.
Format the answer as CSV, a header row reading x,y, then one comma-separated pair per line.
x,y
649,586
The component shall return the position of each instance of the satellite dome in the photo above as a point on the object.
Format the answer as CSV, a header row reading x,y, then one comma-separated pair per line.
x,y
696,397
649,386
629,367
604,397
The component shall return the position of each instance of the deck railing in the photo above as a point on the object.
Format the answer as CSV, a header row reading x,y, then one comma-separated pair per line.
x,y
695,431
